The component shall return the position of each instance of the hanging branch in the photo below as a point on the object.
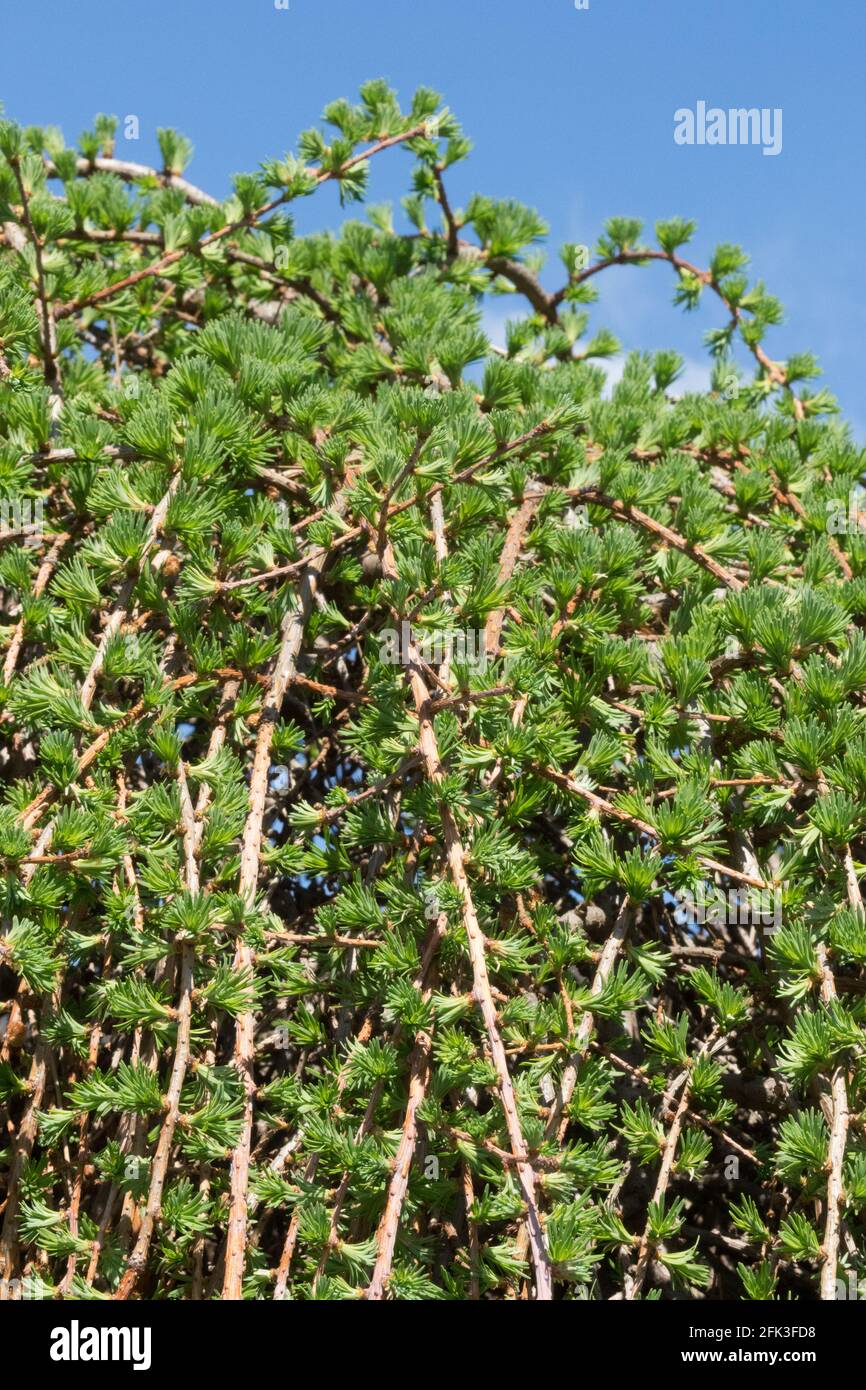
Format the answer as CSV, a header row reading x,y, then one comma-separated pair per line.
x,y
635,1283
138,1259
475,940
47,325
292,635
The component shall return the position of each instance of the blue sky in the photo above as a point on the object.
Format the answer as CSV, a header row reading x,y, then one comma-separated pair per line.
x,y
569,110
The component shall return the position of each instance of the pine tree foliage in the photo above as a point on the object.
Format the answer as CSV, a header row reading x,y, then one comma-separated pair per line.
x,y
337,969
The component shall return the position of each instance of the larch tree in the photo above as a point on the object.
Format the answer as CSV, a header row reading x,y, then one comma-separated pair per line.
x,y
433,783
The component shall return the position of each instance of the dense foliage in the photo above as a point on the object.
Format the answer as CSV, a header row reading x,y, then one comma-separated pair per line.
x,y
340,962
